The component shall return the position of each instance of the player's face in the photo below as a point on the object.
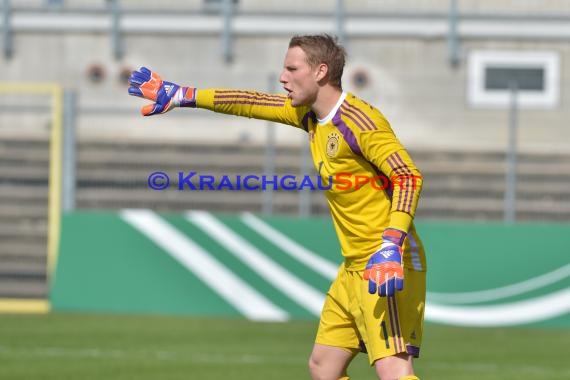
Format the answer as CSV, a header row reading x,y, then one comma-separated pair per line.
x,y
299,79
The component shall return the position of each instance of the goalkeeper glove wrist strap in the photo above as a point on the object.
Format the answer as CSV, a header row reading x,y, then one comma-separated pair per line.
x,y
394,235
185,97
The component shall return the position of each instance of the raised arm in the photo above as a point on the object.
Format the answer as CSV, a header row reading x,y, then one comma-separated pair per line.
x,y
167,95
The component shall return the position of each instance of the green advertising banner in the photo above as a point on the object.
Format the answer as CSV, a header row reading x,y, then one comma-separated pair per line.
x,y
279,268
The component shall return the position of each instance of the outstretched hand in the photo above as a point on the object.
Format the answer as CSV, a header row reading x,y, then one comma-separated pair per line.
x,y
165,96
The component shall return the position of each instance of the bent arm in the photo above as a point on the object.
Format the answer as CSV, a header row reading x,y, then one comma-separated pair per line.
x,y
382,148
406,188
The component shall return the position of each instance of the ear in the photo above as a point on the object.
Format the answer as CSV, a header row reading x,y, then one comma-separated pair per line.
x,y
321,71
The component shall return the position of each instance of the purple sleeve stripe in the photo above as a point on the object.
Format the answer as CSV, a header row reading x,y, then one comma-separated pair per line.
x,y
408,193
234,91
388,187
220,102
400,161
347,133
407,205
348,113
391,164
230,91
250,96
402,171
389,159
363,114
251,93
359,125
396,170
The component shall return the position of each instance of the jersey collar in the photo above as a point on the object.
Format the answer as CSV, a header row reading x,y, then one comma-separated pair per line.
x,y
333,111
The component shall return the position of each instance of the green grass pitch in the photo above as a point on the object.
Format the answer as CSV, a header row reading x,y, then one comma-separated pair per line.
x,y
69,346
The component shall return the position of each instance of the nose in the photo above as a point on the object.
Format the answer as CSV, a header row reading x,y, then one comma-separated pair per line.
x,y
282,77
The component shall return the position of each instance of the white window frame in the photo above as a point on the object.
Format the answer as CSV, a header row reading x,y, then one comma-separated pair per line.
x,y
479,60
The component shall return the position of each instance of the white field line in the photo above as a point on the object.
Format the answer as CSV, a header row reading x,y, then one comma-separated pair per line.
x,y
503,292
297,290
220,279
326,268
510,314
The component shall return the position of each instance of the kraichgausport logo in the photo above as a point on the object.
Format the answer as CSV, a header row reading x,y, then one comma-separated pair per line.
x,y
342,181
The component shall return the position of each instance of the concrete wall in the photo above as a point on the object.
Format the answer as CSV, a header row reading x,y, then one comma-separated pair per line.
x,y
365,5
410,80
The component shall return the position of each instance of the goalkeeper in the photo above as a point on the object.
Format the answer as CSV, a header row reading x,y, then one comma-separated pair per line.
x,y
376,303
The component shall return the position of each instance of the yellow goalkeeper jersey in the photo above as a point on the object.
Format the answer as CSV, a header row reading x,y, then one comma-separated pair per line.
x,y
375,184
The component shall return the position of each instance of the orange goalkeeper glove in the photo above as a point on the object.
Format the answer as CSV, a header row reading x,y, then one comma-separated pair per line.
x,y
384,271
165,95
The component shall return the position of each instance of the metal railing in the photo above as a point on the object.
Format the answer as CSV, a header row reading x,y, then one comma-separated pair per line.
x,y
229,19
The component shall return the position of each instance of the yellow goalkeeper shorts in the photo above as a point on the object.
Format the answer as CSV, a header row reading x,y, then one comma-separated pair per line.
x,y
355,320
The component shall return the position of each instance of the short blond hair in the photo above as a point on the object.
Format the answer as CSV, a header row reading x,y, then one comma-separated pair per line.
x,y
323,48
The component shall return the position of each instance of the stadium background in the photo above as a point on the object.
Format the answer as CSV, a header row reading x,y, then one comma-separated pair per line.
x,y
476,90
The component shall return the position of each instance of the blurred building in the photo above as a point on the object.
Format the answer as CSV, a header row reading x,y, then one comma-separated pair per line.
x,y
443,72
439,75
